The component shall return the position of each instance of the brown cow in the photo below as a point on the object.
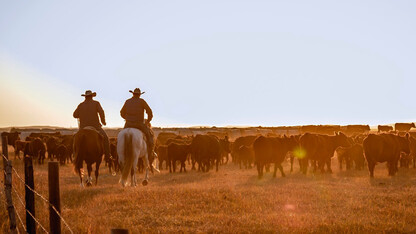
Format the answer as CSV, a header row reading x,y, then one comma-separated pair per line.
x,y
177,152
36,149
225,149
403,127
384,128
357,129
51,146
246,156
12,137
112,162
385,148
205,150
68,141
353,154
61,154
319,149
162,153
272,150
412,145
88,147
19,146
240,141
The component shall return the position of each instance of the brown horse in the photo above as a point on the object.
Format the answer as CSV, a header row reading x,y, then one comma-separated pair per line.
x,y
88,147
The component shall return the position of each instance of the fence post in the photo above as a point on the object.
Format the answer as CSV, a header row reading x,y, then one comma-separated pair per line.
x,y
54,197
8,185
29,195
119,231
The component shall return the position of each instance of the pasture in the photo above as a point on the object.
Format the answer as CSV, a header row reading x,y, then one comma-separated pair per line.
x,y
231,200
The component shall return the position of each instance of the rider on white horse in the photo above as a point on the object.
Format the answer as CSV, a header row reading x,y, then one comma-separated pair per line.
x,y
133,112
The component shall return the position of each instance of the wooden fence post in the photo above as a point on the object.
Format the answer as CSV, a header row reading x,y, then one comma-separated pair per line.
x,y
8,185
29,195
54,197
119,231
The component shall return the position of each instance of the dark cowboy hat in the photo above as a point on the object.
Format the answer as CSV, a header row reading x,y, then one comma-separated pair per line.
x,y
89,93
137,91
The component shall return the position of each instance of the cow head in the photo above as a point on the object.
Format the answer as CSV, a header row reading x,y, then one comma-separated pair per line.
x,y
404,143
341,140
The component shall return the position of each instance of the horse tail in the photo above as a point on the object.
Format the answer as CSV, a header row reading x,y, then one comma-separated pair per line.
x,y
128,156
80,149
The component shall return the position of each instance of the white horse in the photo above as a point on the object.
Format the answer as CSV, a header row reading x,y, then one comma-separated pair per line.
x,y
130,147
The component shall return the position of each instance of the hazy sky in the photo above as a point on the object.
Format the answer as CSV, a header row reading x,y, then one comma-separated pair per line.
x,y
210,62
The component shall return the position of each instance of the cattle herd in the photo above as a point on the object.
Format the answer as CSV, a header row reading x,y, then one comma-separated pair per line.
x,y
314,147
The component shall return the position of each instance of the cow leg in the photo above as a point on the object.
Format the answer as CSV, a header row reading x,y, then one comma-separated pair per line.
x,y
340,163
193,165
259,170
292,158
216,165
371,166
321,165
328,165
184,166
281,170
414,161
303,165
275,170
170,165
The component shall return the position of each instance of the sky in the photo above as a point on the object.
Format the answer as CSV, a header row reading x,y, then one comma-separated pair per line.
x,y
210,63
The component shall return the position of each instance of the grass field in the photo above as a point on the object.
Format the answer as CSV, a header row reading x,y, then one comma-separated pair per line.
x,y
232,200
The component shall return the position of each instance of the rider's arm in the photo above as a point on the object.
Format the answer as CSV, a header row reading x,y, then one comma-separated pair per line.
x,y
123,111
76,112
101,113
148,111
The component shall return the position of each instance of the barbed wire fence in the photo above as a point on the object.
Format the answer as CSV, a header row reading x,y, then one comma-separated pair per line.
x,y
8,188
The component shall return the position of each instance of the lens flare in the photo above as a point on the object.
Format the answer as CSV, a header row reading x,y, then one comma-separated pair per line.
x,y
299,152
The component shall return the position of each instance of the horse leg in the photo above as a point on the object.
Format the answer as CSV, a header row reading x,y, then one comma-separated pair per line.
x,y
89,179
146,177
133,178
80,177
97,167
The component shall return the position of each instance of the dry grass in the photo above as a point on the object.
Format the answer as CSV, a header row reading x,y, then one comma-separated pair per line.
x,y
234,200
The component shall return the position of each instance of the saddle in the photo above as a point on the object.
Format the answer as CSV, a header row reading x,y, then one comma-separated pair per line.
x,y
91,128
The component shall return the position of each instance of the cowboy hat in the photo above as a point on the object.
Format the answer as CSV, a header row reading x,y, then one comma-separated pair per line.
x,y
137,91
89,93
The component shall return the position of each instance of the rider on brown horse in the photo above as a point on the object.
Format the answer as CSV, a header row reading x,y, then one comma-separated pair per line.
x,y
133,113
87,112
